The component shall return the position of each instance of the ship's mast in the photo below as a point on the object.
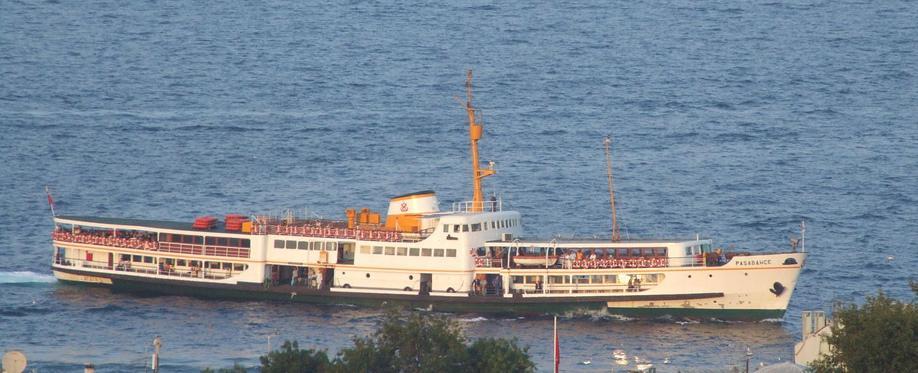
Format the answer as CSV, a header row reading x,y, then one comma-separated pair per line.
x,y
475,132
608,145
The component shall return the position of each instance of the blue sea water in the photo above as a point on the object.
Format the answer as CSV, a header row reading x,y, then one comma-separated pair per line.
x,y
733,120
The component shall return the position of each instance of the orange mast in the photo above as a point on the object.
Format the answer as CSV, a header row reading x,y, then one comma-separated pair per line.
x,y
615,233
475,132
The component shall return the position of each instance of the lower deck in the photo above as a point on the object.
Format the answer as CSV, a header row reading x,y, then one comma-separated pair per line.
x,y
515,304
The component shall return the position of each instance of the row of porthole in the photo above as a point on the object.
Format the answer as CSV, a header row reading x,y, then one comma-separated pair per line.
x,y
745,273
410,277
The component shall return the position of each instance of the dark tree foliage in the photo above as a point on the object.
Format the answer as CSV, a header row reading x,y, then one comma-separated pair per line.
x,y
290,358
409,343
499,355
880,336
416,343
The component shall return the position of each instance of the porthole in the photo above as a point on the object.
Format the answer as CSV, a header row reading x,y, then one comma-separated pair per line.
x,y
747,273
368,275
689,276
411,277
710,275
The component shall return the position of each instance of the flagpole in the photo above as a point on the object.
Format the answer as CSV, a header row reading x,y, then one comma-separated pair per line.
x,y
555,347
50,201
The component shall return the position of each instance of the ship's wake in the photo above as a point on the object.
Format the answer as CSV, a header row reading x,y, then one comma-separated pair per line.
x,y
25,277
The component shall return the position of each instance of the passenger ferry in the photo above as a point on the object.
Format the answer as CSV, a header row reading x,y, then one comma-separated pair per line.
x,y
472,257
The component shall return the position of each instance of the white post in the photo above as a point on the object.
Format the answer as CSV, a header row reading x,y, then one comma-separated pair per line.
x,y
803,236
157,343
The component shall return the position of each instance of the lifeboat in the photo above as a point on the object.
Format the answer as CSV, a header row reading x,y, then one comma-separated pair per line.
x,y
234,222
204,222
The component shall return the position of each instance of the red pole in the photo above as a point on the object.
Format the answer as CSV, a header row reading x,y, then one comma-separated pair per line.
x,y
557,349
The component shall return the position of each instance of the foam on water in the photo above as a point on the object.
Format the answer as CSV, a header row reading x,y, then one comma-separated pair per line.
x,y
25,277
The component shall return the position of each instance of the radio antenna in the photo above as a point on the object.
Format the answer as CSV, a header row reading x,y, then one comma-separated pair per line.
x,y
607,141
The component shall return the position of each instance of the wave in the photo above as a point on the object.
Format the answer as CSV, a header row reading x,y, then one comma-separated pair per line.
x,y
25,277
474,319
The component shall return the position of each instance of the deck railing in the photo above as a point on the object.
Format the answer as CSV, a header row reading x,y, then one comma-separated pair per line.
x,y
145,269
599,263
307,230
471,206
149,245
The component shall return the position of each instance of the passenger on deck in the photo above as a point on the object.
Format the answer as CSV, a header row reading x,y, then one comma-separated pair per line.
x,y
593,255
538,285
579,254
721,258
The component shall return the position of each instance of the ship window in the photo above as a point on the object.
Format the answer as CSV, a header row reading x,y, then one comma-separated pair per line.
x,y
209,240
181,263
596,279
377,250
517,279
635,252
187,239
290,244
445,228
485,225
493,225
532,279
148,259
611,279
455,228
331,246
438,252
465,227
315,245
414,251
239,267
278,244
659,251
390,250
364,249
213,265
476,227
302,245
126,257
559,279
233,242
194,263
136,258
706,247
426,252
451,253
245,243
168,261
227,266
581,279
402,251
221,241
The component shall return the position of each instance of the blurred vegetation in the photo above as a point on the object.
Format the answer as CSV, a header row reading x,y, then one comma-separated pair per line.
x,y
403,342
880,336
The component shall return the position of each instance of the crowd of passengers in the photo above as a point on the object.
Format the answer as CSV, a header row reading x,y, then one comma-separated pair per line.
x,y
575,259
127,239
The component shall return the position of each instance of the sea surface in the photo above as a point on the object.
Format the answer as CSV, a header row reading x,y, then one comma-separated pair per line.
x,y
730,119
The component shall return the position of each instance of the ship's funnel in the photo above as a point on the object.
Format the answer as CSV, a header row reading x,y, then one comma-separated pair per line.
x,y
415,203
405,211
